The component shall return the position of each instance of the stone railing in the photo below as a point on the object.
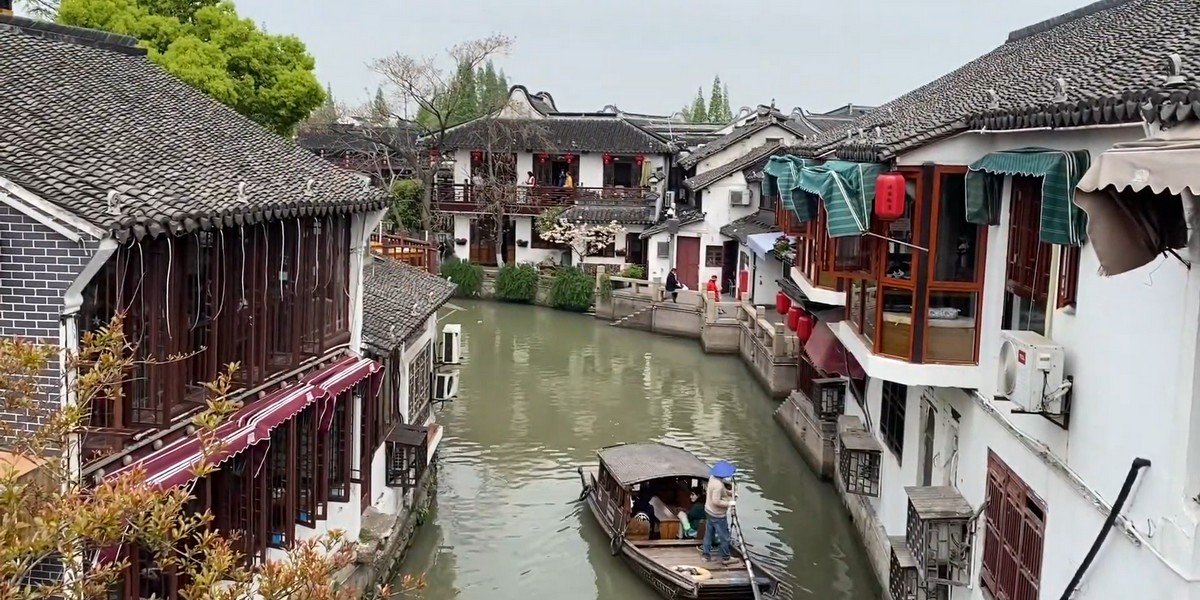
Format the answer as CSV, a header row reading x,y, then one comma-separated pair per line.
x,y
775,337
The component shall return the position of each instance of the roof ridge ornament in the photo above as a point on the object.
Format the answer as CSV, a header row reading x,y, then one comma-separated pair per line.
x,y
1060,90
993,99
115,203
242,192
308,186
1175,76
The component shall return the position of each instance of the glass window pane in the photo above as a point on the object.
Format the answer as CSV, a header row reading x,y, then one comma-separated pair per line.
x,y
869,304
950,328
855,304
896,330
899,256
957,240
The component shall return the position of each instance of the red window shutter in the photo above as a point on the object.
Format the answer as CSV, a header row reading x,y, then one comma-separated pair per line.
x,y
1014,535
1068,276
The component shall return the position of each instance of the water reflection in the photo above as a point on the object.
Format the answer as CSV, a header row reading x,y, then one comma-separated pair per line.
x,y
542,391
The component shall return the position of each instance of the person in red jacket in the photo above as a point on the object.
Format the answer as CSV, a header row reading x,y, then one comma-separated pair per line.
x,y
714,288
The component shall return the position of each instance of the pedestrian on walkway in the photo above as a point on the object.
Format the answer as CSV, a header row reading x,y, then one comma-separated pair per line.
x,y
673,286
714,288
716,509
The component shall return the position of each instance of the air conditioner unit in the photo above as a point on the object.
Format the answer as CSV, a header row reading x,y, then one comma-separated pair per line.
x,y
445,386
739,198
1031,372
450,347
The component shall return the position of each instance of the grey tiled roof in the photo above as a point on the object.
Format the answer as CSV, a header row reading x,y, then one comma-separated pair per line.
x,y
765,118
756,157
340,138
397,299
680,221
762,221
1104,50
593,133
83,118
606,213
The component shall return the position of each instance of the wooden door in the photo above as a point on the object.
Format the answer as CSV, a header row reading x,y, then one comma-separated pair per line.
x,y
687,261
483,244
635,249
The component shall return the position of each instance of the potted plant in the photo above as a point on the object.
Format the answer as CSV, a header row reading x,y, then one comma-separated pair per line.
x,y
522,243
782,244
461,241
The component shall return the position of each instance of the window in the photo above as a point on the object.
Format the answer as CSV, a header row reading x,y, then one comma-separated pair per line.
x,y
664,249
714,256
281,499
1029,261
341,444
771,141
1013,541
956,275
891,418
306,467
622,171
420,373
539,242
765,202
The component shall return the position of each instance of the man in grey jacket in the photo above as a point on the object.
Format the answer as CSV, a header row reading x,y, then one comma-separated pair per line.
x,y
716,510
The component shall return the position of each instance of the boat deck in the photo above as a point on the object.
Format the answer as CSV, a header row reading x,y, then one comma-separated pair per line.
x,y
674,554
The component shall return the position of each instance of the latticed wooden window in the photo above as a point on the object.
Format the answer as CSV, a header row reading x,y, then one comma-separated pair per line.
x,y
891,420
420,374
1015,526
1029,256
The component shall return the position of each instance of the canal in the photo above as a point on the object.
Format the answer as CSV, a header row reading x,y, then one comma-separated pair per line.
x,y
541,391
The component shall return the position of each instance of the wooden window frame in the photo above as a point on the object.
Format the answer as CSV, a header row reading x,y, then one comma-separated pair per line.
x,y
420,385
708,262
307,425
341,443
892,417
915,283
1011,568
281,462
1028,257
935,286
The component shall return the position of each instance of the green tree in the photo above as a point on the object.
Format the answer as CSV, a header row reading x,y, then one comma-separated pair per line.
x,y
728,115
698,113
380,113
716,101
325,115
464,80
268,78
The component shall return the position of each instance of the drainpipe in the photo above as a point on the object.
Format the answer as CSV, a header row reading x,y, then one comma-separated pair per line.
x,y
1137,466
1052,290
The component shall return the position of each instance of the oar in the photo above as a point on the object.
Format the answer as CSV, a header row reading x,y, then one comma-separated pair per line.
x,y
745,549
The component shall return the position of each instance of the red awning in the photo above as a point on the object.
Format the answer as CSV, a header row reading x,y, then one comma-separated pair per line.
x,y
829,355
342,375
175,463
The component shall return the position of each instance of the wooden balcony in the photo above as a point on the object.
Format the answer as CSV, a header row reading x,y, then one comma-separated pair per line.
x,y
416,252
526,200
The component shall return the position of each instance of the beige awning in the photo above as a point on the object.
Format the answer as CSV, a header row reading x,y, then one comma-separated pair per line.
x,y
1132,195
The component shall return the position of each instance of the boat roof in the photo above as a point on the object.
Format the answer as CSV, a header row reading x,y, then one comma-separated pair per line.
x,y
635,463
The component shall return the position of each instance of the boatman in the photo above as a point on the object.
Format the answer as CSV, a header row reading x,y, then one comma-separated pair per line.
x,y
716,510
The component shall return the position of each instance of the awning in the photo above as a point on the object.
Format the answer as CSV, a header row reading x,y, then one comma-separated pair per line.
x,y
847,189
413,436
761,244
342,375
1131,196
1062,222
174,464
780,175
829,355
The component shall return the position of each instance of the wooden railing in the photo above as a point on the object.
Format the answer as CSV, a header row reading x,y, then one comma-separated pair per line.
x,y
412,251
465,197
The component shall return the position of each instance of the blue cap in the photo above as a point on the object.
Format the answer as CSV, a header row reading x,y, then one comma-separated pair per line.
x,y
723,469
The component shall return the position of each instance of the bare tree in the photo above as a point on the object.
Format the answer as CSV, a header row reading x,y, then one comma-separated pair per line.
x,y
45,10
497,187
428,85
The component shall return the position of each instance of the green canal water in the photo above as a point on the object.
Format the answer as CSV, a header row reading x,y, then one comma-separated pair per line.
x,y
540,392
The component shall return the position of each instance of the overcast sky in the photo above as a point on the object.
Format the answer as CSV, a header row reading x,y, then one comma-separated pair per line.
x,y
651,55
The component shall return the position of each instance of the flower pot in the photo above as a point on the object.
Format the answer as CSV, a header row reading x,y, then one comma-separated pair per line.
x,y
522,243
461,241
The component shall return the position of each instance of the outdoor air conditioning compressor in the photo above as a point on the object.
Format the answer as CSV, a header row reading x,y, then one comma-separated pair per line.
x,y
1031,372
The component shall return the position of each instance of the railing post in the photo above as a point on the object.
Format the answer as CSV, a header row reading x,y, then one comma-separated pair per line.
x,y
656,290
599,276
777,345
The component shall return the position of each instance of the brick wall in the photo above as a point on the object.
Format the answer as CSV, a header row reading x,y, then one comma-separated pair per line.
x,y
36,267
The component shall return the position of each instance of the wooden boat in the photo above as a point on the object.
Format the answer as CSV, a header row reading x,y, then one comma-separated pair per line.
x,y
672,566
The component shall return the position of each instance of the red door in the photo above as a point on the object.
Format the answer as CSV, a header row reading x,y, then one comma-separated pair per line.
x,y
687,261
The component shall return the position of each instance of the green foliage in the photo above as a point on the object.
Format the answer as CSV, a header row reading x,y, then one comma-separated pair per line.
x,y
517,283
606,287
634,272
468,107
572,290
268,78
698,113
380,112
467,276
492,87
406,210
548,219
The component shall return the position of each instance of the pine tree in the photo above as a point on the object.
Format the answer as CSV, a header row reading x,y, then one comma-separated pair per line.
x,y
727,116
381,113
716,102
698,114
467,107
491,95
324,115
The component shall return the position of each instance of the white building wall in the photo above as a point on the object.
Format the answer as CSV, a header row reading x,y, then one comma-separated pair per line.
x,y
740,149
462,231
529,254
766,275
1130,345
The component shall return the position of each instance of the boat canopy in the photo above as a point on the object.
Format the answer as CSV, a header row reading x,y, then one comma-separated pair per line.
x,y
635,463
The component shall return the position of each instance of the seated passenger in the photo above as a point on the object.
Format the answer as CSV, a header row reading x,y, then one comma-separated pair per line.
x,y
695,514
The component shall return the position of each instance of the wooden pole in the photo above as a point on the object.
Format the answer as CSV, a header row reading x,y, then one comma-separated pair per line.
x,y
745,549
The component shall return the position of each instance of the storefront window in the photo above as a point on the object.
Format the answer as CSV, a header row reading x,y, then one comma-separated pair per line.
x,y
896,323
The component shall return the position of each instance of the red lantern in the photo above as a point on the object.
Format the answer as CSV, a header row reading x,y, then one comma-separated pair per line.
x,y
608,158
570,158
793,317
433,156
889,196
782,303
804,327
476,156
639,159
543,157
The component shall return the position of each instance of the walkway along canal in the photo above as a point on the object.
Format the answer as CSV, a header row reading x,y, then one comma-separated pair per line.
x,y
545,389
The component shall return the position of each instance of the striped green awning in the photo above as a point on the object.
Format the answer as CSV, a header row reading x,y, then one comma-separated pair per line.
x,y
1062,221
780,176
847,189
